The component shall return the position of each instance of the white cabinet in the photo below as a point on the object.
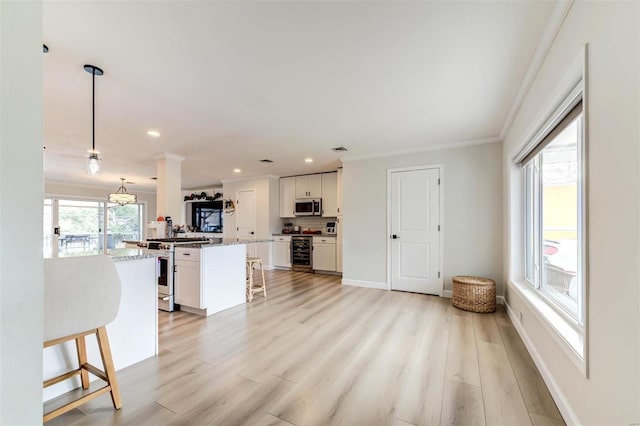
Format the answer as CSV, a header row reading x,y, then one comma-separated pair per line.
x,y
287,196
330,194
339,191
339,244
281,251
324,253
188,290
309,186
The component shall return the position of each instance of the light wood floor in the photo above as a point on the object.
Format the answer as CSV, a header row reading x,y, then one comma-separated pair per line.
x,y
317,353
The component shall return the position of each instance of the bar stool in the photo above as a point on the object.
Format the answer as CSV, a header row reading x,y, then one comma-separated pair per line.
x,y
251,289
82,296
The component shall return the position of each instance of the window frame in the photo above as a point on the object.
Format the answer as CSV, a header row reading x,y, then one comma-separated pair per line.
x,y
533,220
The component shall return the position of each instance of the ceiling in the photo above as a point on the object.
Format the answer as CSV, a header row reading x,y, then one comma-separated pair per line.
x,y
230,83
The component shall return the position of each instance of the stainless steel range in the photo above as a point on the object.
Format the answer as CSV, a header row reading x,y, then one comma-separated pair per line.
x,y
167,267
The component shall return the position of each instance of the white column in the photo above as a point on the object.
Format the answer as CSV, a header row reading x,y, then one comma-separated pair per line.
x,y
169,185
21,198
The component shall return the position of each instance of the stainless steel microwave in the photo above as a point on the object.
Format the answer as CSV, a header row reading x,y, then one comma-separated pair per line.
x,y
308,207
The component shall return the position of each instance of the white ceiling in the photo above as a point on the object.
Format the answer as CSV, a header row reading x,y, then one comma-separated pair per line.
x,y
230,83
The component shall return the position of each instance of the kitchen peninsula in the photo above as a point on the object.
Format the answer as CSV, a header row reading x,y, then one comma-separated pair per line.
x,y
211,277
133,335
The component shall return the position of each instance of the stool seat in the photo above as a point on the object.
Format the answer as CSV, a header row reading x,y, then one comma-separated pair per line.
x,y
251,288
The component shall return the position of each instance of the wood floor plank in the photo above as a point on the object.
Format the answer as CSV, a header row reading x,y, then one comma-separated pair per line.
x,y
318,353
485,328
462,357
503,403
534,391
462,404
539,420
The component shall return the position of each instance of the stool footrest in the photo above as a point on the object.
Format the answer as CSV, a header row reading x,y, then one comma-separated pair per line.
x,y
59,411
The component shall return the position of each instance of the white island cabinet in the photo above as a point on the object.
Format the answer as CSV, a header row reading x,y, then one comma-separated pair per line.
x,y
212,277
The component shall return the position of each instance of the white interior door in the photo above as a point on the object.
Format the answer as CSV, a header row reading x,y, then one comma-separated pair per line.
x,y
415,231
246,218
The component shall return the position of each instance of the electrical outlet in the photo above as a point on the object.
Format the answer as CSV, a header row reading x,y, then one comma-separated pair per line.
x,y
521,319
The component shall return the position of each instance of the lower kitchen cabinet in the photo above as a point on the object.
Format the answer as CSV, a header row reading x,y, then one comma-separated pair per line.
x,y
281,251
324,254
188,291
210,279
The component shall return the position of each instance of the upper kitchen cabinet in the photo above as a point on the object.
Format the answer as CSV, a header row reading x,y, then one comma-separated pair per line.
x,y
330,194
309,186
287,196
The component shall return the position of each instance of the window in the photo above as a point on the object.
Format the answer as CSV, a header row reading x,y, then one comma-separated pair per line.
x,y
77,226
552,166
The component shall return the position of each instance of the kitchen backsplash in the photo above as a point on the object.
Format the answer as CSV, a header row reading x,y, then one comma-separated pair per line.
x,y
315,223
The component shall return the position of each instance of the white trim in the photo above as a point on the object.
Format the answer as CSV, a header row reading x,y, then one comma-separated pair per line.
x,y
366,284
569,416
546,316
546,41
440,168
168,156
449,295
451,145
244,179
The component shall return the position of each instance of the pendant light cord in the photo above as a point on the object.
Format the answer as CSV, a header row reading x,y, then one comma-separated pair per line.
x,y
93,109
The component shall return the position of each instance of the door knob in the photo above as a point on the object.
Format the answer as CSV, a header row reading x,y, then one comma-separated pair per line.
x,y
395,237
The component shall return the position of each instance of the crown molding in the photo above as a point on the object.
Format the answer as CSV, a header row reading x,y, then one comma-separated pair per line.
x,y
551,31
451,145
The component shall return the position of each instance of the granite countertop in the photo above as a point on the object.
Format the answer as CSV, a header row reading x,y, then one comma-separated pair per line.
x,y
215,242
118,255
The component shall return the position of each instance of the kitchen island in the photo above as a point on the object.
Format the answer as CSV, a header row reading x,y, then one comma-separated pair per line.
x,y
133,335
211,277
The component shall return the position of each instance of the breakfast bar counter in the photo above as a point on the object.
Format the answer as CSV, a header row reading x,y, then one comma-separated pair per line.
x,y
133,335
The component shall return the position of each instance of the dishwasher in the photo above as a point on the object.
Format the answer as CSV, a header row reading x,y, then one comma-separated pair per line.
x,y
301,259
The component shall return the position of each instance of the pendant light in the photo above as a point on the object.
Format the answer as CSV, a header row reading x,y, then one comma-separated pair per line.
x,y
121,196
93,167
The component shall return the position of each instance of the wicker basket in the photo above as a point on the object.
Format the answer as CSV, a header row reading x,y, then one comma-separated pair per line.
x,y
474,294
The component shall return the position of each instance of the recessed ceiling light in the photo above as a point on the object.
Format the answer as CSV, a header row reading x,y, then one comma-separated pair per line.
x,y
236,170
308,160
153,133
154,178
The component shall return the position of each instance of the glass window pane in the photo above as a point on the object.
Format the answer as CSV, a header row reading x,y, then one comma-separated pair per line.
x,y
559,166
47,229
529,265
80,225
124,224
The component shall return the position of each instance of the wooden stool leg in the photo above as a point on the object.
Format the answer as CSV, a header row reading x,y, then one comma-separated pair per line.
x,y
110,372
250,281
81,349
264,283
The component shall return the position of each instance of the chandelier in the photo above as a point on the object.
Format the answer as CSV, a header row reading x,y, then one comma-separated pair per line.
x,y
121,196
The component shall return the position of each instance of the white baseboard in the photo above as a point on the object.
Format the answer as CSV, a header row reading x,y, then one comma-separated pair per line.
x,y
367,284
449,294
558,396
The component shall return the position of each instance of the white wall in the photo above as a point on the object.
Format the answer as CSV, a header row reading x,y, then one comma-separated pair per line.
x,y
611,394
99,193
21,275
267,210
472,222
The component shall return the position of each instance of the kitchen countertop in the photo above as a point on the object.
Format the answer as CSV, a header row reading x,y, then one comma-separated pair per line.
x,y
118,255
304,235
216,242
